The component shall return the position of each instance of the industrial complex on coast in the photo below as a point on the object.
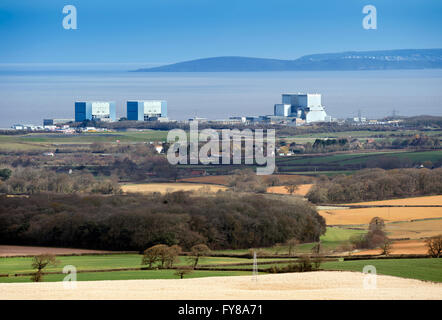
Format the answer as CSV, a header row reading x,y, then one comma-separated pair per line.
x,y
295,109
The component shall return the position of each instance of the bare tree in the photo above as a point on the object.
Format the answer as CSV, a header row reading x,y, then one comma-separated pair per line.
x,y
317,248
154,254
434,246
317,261
376,223
291,188
161,253
40,262
292,243
386,246
198,251
172,255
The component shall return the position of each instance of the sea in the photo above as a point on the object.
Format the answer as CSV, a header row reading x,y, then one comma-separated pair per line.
x,y
30,93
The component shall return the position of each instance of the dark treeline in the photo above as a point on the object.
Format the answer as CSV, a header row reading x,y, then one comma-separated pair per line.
x,y
377,184
34,180
423,121
222,221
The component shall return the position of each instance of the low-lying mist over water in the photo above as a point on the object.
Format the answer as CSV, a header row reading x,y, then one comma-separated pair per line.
x,y
27,95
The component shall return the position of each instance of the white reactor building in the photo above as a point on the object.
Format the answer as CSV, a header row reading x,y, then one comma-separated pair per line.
x,y
305,106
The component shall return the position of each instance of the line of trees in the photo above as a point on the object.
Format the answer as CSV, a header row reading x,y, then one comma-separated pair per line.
x,y
377,184
222,221
33,180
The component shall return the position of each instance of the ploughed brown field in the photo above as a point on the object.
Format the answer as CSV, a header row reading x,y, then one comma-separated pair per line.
x,y
302,190
400,247
416,201
288,286
224,179
414,229
389,214
170,187
10,251
407,226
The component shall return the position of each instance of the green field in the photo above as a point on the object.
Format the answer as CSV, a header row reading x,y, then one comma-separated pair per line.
x,y
359,134
422,269
101,262
129,275
331,240
348,162
356,158
35,141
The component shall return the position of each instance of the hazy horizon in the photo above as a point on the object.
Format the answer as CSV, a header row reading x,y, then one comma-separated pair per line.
x,y
30,96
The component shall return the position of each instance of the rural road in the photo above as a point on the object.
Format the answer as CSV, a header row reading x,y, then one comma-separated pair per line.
x,y
312,285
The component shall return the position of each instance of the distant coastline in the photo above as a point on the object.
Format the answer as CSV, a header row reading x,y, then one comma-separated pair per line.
x,y
403,59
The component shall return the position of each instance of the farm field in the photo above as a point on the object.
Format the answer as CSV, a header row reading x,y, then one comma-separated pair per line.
x,y
220,179
400,247
416,201
414,229
310,285
361,134
389,214
361,157
302,190
15,265
170,187
321,173
224,179
350,161
7,251
128,275
327,159
333,238
429,269
35,141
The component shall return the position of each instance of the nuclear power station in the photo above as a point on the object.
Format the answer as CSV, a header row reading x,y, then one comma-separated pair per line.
x,y
302,107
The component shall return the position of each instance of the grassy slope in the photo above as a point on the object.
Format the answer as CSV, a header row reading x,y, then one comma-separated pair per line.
x,y
422,269
44,140
356,158
98,262
129,275
333,238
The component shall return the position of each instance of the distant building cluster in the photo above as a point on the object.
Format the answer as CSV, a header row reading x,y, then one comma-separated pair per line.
x,y
295,109
145,110
302,108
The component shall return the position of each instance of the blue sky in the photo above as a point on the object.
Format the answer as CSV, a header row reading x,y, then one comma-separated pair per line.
x,y
163,31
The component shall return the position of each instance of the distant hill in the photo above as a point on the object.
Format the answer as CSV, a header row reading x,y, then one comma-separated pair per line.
x,y
351,60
